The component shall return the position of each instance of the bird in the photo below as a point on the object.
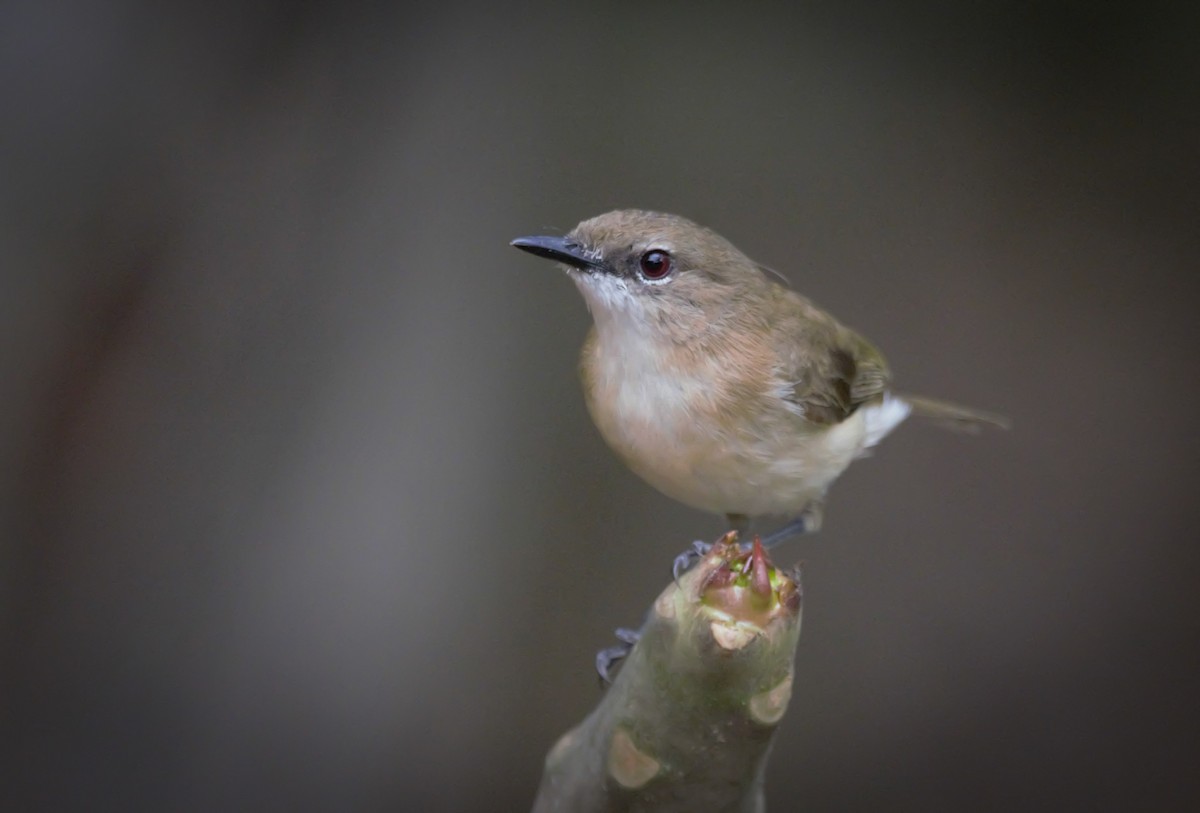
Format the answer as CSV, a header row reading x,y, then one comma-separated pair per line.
x,y
718,384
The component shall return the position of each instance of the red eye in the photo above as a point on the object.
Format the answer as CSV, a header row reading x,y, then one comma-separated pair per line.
x,y
656,264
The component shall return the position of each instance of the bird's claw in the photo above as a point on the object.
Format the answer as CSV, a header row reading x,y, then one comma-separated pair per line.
x,y
611,656
689,557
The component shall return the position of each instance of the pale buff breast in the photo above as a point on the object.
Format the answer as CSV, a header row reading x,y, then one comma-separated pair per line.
x,y
706,437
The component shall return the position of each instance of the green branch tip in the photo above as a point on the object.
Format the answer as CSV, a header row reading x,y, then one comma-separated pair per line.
x,y
689,719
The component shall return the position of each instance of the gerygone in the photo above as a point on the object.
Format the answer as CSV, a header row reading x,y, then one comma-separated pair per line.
x,y
714,383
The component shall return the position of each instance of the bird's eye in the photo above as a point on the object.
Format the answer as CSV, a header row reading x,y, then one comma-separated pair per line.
x,y
655,264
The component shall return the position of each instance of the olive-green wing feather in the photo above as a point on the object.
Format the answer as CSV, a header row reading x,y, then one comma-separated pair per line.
x,y
832,370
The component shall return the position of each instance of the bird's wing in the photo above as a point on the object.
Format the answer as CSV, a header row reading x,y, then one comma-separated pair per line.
x,y
831,370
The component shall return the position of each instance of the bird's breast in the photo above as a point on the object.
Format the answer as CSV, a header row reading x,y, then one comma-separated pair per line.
x,y
707,429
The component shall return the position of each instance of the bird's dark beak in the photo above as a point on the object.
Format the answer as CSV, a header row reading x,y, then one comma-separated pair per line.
x,y
558,248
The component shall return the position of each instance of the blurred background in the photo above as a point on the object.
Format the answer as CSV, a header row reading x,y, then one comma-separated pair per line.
x,y
302,508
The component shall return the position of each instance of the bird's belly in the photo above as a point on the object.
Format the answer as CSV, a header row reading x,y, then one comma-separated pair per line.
x,y
773,475
716,463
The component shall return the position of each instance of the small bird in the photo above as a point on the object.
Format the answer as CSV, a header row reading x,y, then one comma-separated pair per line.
x,y
718,385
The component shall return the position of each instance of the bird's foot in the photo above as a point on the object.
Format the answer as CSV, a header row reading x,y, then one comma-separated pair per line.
x,y
797,527
808,522
609,658
689,557
698,550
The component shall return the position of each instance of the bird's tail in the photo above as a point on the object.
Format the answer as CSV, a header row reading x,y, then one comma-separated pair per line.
x,y
953,416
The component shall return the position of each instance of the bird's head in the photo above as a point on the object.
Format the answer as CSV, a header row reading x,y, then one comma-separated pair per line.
x,y
659,274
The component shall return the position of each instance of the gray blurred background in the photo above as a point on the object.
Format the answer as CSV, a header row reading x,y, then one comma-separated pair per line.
x,y
302,508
